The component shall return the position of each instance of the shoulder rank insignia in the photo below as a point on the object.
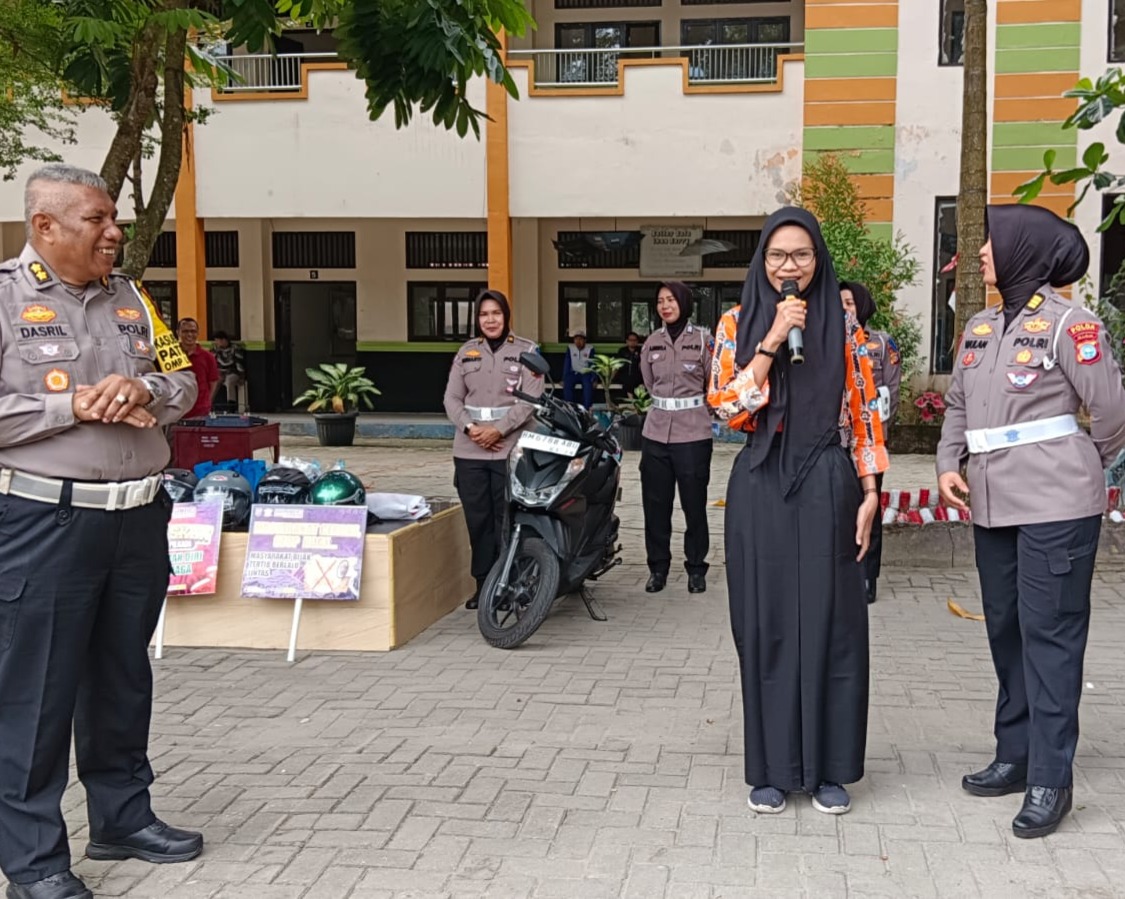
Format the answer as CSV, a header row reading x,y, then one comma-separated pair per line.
x,y
39,272
1035,302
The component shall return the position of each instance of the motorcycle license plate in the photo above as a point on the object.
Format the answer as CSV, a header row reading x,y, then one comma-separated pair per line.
x,y
545,443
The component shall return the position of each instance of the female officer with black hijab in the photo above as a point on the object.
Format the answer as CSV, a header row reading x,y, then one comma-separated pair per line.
x,y
677,444
798,520
1038,494
479,402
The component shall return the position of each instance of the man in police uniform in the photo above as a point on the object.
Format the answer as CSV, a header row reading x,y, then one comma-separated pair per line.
x,y
886,369
87,372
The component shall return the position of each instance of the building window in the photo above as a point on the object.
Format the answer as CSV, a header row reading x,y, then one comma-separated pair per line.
x,y
440,310
224,312
603,4
598,249
952,33
220,249
945,276
592,49
608,310
163,253
314,249
164,294
447,249
745,243
1117,31
721,52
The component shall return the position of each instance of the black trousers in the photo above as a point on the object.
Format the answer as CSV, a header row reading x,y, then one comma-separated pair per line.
x,y
664,467
873,561
480,485
80,595
1035,585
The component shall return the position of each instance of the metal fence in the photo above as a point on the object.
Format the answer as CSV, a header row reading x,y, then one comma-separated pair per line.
x,y
712,64
268,72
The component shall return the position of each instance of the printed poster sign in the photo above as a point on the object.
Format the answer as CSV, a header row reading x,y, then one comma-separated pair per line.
x,y
661,246
193,547
306,552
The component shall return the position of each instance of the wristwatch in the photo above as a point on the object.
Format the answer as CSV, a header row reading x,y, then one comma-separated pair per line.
x,y
155,389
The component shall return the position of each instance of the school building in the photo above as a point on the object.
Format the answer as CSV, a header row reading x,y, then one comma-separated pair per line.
x,y
650,140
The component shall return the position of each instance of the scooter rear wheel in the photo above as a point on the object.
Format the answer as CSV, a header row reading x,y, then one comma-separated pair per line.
x,y
507,619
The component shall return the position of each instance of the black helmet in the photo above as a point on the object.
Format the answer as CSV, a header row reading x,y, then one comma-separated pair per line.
x,y
283,485
233,489
179,483
338,488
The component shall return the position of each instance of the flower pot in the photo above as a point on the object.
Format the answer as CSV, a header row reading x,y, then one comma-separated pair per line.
x,y
629,429
335,428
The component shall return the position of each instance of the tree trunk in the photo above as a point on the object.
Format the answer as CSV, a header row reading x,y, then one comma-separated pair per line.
x,y
973,195
150,222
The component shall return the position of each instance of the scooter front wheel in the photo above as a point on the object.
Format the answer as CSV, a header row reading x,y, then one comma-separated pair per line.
x,y
508,617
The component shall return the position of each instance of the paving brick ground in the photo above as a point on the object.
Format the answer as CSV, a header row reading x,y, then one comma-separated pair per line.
x,y
602,760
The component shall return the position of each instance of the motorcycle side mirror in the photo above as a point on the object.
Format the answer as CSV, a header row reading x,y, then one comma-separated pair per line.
x,y
536,363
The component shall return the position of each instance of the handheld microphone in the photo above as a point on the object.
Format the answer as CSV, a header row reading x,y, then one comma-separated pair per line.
x,y
796,338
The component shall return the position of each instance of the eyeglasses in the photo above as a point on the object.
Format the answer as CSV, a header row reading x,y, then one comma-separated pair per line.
x,y
801,257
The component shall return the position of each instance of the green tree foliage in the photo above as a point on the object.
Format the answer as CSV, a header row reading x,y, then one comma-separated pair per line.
x,y
33,115
886,267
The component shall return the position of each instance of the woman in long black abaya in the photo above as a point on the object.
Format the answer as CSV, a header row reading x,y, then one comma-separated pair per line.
x,y
798,519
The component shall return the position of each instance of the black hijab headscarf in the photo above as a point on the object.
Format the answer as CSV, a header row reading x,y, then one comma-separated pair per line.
x,y
683,296
805,398
1031,246
864,302
502,301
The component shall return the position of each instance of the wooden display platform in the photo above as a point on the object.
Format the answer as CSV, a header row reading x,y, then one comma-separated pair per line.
x,y
412,576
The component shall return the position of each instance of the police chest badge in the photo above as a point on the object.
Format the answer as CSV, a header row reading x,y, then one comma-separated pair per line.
x,y
38,314
1036,326
982,330
1085,337
128,315
1021,380
56,380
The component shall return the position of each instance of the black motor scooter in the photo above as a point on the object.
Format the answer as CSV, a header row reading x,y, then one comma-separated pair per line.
x,y
564,480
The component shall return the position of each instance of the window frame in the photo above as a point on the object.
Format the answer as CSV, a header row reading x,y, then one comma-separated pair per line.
x,y
960,63
707,312
937,353
413,336
236,332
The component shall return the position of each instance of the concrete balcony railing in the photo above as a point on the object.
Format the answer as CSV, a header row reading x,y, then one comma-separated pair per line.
x,y
712,64
266,72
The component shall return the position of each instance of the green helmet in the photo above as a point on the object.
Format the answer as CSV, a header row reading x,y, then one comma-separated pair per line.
x,y
337,488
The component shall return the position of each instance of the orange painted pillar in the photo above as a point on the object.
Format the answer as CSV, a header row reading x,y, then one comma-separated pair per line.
x,y
499,212
191,261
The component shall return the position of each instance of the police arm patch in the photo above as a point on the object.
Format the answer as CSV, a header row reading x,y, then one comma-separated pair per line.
x,y
1087,349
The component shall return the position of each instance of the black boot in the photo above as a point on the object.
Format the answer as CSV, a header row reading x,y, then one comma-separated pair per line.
x,y
998,779
871,591
697,582
1042,812
474,600
656,582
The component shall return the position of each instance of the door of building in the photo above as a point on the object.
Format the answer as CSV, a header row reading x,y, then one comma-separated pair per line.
x,y
316,322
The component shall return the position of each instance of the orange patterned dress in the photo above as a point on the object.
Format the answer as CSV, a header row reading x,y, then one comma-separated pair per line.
x,y
737,400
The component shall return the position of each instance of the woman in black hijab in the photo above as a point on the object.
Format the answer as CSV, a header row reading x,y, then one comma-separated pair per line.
x,y
798,519
676,440
1036,479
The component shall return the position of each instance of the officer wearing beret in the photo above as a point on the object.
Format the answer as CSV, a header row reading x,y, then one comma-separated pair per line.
x,y
1036,483
87,373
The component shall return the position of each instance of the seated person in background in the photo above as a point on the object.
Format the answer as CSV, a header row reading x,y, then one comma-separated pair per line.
x,y
231,360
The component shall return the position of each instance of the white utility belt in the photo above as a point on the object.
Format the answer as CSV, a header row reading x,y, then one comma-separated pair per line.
x,y
986,440
487,413
679,403
114,497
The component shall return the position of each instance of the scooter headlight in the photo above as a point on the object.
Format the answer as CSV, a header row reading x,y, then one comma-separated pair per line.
x,y
547,495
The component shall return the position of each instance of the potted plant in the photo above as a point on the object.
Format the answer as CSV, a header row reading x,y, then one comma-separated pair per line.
x,y
340,388
604,368
632,420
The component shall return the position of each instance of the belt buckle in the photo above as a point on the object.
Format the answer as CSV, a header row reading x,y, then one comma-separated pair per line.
x,y
977,441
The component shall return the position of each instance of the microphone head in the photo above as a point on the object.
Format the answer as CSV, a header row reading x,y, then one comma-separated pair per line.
x,y
789,288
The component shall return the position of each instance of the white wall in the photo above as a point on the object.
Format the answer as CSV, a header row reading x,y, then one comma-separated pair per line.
x,y
655,151
323,157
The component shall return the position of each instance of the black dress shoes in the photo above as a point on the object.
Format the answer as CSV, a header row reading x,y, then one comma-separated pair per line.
x,y
474,600
697,583
656,582
998,779
159,843
1042,812
57,886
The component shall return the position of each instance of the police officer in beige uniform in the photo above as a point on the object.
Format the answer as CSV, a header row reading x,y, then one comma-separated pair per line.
x,y
478,400
1036,484
87,372
886,368
676,440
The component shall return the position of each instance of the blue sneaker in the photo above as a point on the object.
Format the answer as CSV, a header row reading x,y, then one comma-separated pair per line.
x,y
832,799
766,800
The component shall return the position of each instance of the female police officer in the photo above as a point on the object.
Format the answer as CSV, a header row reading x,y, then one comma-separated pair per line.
x,y
479,402
1035,480
677,444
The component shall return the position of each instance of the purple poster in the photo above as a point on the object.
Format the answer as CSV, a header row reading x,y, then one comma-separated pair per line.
x,y
307,552
193,547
